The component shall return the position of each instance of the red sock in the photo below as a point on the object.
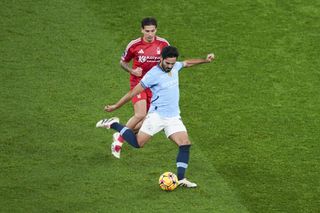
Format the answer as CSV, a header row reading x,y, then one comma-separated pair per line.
x,y
120,139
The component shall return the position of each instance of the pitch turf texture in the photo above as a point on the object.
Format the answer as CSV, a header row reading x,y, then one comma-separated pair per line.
x,y
252,115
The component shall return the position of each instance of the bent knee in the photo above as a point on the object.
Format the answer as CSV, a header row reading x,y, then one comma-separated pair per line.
x,y
140,116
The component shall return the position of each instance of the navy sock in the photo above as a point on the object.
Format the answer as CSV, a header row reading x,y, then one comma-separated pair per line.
x,y
182,160
126,133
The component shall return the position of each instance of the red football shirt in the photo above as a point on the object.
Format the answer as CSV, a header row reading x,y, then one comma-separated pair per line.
x,y
144,55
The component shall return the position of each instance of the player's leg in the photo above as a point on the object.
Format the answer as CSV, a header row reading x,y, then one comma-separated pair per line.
x,y
151,125
141,104
147,96
139,114
124,131
135,140
142,138
140,111
182,140
177,132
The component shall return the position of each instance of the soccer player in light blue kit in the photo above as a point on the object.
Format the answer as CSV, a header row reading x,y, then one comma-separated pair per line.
x,y
164,112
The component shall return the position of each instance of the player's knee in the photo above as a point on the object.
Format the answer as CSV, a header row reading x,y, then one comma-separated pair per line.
x,y
140,116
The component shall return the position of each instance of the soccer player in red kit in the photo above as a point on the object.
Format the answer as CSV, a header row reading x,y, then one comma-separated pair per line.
x,y
145,53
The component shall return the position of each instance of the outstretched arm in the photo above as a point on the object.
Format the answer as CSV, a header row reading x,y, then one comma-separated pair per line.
x,y
127,97
192,62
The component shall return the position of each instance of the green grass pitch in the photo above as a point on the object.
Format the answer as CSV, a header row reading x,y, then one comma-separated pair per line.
x,y
253,115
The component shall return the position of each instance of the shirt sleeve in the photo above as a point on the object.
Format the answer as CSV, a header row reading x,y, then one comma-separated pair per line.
x,y
179,65
127,54
148,80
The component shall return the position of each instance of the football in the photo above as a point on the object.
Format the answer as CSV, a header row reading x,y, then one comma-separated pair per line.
x,y
168,181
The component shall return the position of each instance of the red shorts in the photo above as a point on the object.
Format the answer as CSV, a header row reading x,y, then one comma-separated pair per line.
x,y
144,95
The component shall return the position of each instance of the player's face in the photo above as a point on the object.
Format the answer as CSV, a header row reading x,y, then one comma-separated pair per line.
x,y
149,33
168,63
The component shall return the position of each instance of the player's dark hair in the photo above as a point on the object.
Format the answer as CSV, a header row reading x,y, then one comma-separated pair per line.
x,y
169,52
148,21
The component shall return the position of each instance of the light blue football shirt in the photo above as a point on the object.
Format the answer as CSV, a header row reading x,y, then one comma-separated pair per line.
x,y
165,90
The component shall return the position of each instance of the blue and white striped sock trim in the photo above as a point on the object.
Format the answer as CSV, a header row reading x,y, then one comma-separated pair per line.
x,y
183,165
123,130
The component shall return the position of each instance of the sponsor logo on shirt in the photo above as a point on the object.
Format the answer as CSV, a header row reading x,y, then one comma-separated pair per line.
x,y
148,58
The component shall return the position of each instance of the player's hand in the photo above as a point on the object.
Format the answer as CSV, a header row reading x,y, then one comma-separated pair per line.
x,y
110,108
210,57
137,71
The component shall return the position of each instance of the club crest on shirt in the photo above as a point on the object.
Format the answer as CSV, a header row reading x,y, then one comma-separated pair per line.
x,y
158,50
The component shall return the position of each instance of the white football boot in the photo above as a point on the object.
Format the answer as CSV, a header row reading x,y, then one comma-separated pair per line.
x,y
106,123
184,182
116,145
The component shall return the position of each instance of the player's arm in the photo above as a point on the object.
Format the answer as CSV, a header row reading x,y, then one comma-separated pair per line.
x,y
192,62
127,97
126,66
